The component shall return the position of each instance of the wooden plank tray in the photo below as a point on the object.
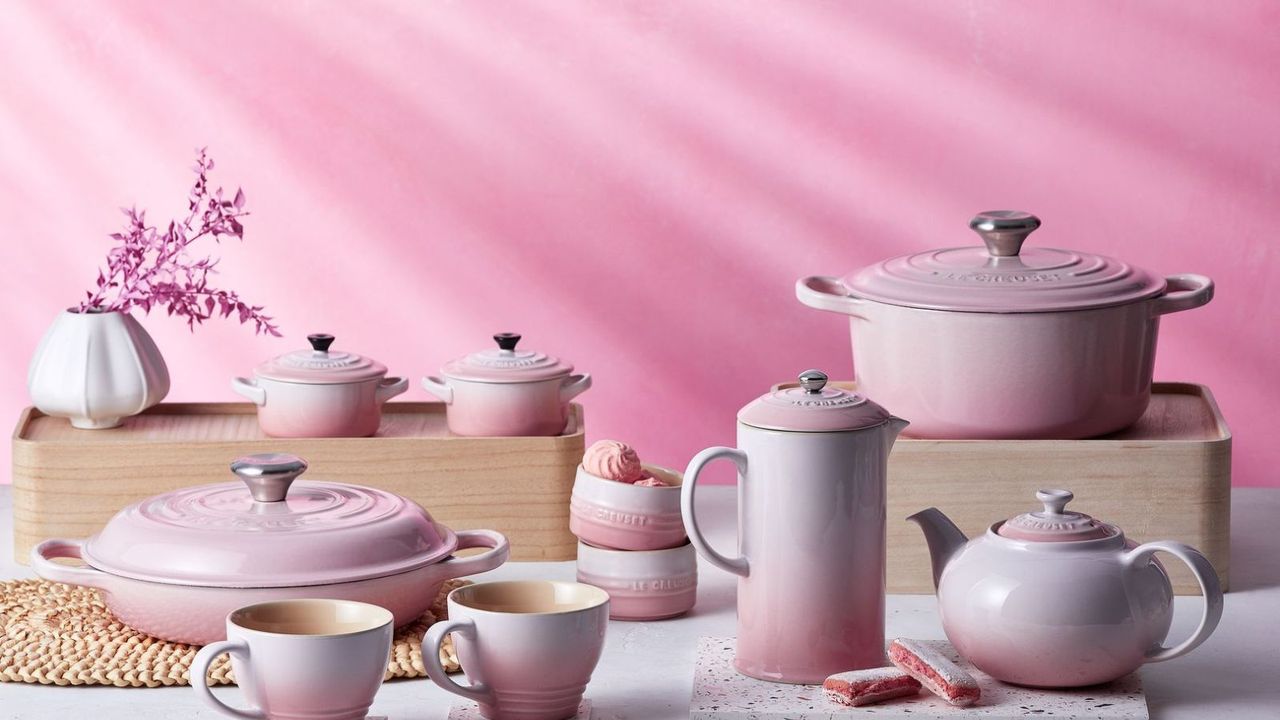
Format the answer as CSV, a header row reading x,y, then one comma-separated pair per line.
x,y
1168,477
69,482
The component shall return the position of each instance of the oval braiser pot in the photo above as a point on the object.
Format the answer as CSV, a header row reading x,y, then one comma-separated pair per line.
x,y
1006,343
173,566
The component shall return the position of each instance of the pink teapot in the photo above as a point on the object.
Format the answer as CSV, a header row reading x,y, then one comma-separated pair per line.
x,y
1054,598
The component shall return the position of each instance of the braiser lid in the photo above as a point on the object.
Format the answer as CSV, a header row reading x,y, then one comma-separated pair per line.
x,y
1003,277
505,364
273,533
812,407
1054,523
320,365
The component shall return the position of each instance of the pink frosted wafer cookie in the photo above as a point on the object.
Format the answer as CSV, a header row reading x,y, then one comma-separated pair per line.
x,y
865,687
935,671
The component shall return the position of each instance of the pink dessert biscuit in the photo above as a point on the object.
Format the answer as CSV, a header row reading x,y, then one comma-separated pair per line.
x,y
935,671
865,687
612,460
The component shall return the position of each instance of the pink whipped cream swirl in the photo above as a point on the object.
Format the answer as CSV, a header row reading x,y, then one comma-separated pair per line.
x,y
612,460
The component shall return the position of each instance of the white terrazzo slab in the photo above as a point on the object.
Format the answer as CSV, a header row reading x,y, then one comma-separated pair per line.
x,y
720,693
471,711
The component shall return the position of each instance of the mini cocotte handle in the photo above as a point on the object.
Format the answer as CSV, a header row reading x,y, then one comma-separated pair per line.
x,y
735,565
200,672
1210,586
479,692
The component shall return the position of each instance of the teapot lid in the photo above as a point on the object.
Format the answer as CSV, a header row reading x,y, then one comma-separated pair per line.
x,y
812,406
1054,523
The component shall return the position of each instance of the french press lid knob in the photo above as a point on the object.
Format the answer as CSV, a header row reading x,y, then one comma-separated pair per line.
x,y
1004,231
507,341
269,475
813,381
320,342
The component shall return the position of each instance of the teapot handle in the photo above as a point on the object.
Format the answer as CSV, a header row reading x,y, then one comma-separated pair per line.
x,y
735,565
1210,586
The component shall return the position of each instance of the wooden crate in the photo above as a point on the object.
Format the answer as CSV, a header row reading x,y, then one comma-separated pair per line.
x,y
1168,477
68,482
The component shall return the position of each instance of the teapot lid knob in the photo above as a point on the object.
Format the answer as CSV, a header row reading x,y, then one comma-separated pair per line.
x,y
813,381
1055,501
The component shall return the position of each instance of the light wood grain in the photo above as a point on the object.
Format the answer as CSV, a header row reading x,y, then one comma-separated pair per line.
x,y
69,482
1168,477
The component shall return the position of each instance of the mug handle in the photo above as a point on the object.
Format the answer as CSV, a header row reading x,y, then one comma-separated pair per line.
x,y
736,565
431,642
1210,586
199,675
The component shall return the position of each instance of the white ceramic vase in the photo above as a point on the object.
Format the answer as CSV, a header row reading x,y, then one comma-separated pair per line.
x,y
95,368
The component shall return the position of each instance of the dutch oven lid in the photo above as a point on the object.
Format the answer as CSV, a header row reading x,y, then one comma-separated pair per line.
x,y
269,531
812,406
506,364
1002,276
320,365
1055,523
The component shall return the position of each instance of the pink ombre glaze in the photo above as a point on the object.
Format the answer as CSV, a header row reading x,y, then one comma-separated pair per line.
x,y
302,677
1055,612
492,409
811,546
973,375
531,666
624,516
194,614
642,585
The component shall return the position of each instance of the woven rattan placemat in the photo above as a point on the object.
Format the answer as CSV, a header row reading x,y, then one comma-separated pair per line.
x,y
56,634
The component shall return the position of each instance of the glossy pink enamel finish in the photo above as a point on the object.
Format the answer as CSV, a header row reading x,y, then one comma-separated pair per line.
x,y
523,666
812,549
1071,374
510,409
642,585
622,516
194,614
302,677
296,409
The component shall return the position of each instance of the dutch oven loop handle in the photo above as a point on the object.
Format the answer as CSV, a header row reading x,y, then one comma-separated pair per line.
x,y
499,550
1183,292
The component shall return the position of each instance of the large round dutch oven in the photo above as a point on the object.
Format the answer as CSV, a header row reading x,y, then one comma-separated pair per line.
x,y
1005,342
174,565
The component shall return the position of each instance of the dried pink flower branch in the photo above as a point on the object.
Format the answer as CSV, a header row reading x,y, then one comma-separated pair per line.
x,y
150,268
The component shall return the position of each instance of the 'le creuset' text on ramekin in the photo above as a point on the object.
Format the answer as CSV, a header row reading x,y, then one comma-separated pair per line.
x,y
617,515
642,584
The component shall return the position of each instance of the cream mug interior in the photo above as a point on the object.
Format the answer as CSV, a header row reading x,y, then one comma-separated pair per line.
x,y
527,647
319,659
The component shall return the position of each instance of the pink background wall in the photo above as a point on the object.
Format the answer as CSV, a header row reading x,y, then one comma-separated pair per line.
x,y
636,185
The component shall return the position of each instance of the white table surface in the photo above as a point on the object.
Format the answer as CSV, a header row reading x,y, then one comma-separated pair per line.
x,y
646,672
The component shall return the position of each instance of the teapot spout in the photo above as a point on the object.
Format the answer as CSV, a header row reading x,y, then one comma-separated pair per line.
x,y
896,426
942,536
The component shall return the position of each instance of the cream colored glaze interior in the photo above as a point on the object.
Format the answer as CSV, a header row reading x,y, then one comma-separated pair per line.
x,y
668,476
311,617
527,597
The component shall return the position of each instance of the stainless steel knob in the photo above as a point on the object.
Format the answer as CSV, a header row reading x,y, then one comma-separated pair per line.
x,y
269,475
1004,231
813,381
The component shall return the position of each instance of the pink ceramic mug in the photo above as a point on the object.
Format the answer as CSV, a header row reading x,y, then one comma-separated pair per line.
x,y
528,646
313,659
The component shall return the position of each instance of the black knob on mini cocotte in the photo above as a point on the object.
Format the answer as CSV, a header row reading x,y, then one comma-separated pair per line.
x,y
507,341
320,342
